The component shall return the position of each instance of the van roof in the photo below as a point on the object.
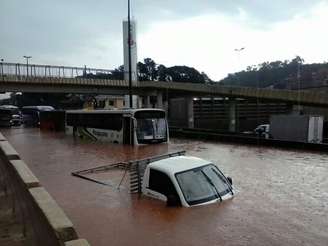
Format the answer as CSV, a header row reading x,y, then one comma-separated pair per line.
x,y
178,164
41,107
8,107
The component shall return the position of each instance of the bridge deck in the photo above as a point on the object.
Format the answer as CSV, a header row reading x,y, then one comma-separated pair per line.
x,y
103,86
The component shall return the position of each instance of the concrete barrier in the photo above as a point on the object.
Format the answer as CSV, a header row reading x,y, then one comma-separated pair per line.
x,y
56,217
8,151
41,218
2,138
25,174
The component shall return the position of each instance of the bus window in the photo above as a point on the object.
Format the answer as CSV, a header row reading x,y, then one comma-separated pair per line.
x,y
95,120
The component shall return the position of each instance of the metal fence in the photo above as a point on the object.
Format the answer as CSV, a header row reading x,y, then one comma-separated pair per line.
x,y
36,70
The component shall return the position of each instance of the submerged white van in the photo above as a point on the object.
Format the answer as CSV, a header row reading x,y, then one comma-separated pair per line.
x,y
186,181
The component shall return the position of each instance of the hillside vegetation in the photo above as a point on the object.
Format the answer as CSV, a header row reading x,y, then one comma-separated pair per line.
x,y
281,75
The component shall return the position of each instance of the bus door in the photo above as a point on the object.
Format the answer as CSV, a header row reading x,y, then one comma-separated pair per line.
x,y
128,136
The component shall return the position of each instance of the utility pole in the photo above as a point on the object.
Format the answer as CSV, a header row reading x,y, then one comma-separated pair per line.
x,y
129,55
27,57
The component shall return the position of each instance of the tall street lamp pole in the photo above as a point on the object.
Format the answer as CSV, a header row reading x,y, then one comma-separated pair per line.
x,y
238,51
27,57
129,55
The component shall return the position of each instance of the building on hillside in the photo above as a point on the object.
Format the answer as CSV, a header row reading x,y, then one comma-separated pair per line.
x,y
109,102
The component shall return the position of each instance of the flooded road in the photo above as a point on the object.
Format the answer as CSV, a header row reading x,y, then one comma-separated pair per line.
x,y
282,195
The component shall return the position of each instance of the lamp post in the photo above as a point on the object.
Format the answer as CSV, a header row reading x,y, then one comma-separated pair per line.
x,y
27,57
238,50
129,55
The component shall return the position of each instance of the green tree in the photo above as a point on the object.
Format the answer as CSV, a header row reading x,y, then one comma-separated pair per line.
x,y
277,74
185,74
150,71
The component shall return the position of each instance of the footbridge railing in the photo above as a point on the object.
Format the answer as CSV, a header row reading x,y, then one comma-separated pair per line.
x,y
37,70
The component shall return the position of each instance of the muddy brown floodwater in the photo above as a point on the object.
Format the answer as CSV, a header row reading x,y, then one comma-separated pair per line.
x,y
282,195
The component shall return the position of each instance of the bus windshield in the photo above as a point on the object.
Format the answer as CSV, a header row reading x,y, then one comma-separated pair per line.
x,y
151,127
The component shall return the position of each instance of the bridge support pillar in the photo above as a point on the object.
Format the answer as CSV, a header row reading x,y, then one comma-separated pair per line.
x,y
135,101
166,106
147,102
232,115
190,111
159,102
139,102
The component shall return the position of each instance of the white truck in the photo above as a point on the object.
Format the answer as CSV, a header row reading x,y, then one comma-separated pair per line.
x,y
187,181
177,179
298,128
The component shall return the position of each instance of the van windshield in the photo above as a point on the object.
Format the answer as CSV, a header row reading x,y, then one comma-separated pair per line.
x,y
202,184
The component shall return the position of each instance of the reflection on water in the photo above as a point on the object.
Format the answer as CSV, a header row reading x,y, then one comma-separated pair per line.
x,y
282,198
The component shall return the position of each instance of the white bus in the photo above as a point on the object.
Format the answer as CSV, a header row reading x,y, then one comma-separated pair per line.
x,y
126,126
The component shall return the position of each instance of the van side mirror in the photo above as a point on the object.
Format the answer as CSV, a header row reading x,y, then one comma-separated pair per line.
x,y
229,180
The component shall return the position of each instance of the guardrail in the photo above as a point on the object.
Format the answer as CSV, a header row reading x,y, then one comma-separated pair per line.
x,y
41,220
215,135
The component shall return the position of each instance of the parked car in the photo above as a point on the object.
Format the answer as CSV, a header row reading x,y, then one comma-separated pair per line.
x,y
31,114
263,130
10,116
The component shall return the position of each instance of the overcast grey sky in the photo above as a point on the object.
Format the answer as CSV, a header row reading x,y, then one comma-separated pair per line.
x,y
197,33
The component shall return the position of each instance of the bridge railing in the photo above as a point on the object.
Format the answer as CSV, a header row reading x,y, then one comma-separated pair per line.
x,y
37,70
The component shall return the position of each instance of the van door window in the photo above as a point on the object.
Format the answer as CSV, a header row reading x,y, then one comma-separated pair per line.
x,y
160,182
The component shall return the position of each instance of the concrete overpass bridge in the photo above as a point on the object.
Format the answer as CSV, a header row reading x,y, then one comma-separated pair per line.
x,y
59,79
